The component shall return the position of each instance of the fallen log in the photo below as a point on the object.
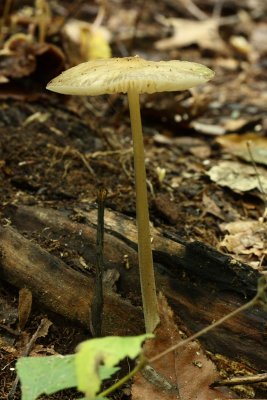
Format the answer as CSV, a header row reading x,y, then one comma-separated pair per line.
x,y
201,284
60,288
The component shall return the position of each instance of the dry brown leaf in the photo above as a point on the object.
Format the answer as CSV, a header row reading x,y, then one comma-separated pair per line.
x,y
188,368
259,38
41,350
21,57
25,306
123,23
210,207
204,33
202,152
238,145
245,237
43,328
238,176
234,125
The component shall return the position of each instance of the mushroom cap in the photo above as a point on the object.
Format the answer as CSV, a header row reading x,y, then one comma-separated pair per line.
x,y
115,75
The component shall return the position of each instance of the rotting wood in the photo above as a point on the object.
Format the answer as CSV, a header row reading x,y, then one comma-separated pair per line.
x,y
200,283
60,288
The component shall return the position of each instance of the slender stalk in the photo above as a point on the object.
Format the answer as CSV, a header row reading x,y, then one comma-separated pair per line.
x,y
126,378
147,278
3,19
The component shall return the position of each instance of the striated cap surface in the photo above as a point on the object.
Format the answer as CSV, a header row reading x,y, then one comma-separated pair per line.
x,y
119,75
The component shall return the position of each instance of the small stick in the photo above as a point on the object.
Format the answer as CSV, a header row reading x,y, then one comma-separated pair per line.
x,y
40,331
241,380
98,302
3,19
194,9
258,177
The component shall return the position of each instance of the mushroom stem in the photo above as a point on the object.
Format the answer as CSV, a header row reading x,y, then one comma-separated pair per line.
x,y
147,278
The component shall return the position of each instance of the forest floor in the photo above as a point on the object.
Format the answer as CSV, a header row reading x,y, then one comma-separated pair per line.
x,y
205,148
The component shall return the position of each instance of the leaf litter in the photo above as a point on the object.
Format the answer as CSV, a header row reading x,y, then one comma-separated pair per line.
x,y
237,145
235,103
238,176
245,238
185,373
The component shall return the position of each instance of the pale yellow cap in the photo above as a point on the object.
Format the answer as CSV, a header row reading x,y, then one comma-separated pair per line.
x,y
116,75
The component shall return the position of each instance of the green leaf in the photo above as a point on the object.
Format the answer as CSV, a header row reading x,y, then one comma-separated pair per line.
x,y
45,375
106,372
95,354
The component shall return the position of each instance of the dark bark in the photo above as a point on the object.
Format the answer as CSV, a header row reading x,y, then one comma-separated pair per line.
x,y
60,288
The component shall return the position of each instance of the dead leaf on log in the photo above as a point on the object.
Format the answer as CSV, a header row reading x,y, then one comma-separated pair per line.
x,y
188,369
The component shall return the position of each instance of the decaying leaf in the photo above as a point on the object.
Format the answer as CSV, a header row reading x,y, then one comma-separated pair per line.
x,y
123,23
238,145
92,41
204,33
21,57
234,125
43,328
238,177
211,207
25,306
259,38
183,374
245,237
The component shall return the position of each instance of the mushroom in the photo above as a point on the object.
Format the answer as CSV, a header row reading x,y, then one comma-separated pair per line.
x,y
134,75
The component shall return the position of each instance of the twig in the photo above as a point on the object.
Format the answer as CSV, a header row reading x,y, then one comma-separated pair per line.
x,y
194,10
74,152
6,11
40,331
217,10
258,177
241,380
120,152
14,332
139,366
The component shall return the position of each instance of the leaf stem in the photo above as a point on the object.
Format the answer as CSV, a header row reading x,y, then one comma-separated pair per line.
x,y
138,367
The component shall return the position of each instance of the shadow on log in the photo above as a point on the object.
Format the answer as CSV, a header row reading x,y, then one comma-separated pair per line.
x,y
201,284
